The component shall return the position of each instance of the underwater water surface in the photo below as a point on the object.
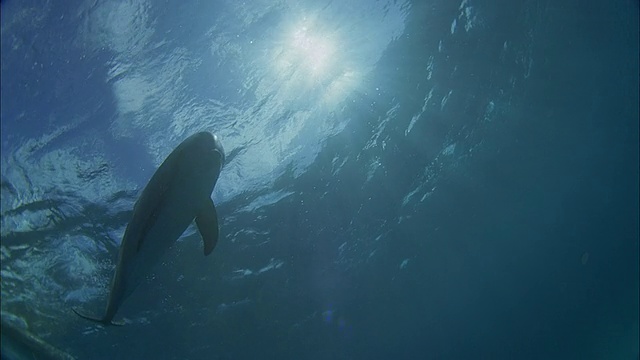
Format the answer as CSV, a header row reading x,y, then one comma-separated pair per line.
x,y
404,179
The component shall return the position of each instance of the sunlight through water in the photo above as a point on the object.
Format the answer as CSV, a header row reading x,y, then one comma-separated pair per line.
x,y
312,57
316,51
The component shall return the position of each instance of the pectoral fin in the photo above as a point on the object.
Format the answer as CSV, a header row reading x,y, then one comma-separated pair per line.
x,y
207,222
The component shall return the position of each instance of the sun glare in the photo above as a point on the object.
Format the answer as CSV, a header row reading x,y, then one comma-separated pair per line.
x,y
310,61
315,51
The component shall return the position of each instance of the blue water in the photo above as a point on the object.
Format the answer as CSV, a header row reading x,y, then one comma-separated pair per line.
x,y
405,180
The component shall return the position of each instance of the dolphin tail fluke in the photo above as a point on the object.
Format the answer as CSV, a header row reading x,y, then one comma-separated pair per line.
x,y
102,321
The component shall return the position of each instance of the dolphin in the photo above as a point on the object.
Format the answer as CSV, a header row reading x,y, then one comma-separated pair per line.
x,y
178,192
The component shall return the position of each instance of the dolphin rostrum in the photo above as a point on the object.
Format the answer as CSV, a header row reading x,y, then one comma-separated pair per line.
x,y
178,192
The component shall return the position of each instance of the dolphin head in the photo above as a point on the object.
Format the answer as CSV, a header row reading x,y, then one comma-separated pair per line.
x,y
203,155
205,145
219,149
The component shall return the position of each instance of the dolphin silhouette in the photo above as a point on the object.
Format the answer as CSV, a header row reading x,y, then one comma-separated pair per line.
x,y
178,192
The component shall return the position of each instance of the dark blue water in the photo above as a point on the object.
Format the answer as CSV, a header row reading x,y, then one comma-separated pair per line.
x,y
404,180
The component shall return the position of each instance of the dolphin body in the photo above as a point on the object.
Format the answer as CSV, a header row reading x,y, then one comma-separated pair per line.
x,y
178,192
